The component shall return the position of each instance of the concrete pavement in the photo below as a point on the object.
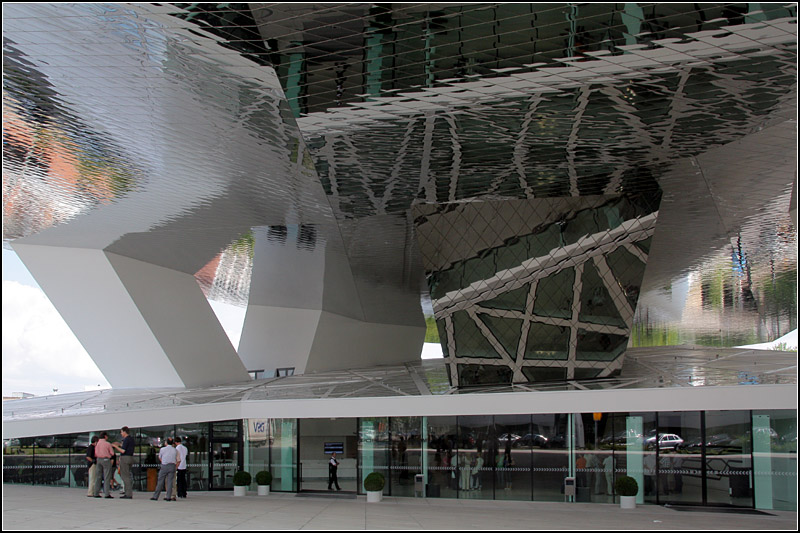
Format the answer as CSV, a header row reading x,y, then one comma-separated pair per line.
x,y
29,507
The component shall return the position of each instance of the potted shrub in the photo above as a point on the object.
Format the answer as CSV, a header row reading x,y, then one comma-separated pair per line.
x,y
241,480
627,489
373,486
263,480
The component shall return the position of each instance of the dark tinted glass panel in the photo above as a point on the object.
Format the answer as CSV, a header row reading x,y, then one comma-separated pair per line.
x,y
52,461
550,450
628,271
593,458
476,447
506,330
18,460
406,454
597,306
195,438
483,374
728,459
441,455
680,462
546,341
512,456
470,342
596,346
512,300
545,374
554,294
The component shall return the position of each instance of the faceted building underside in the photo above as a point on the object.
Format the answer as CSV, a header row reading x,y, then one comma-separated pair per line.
x,y
555,303
558,181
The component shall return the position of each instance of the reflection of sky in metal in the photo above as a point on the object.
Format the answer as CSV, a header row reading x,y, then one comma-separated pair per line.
x,y
673,367
167,129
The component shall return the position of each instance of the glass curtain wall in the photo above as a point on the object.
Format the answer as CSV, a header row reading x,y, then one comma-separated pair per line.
x,y
441,456
477,446
195,438
631,456
728,458
406,455
373,450
513,443
283,454
550,456
735,458
680,459
775,459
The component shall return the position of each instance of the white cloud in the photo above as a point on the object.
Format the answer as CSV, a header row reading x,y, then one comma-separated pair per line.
x,y
40,352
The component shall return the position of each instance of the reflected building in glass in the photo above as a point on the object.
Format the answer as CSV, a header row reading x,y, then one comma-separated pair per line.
x,y
594,200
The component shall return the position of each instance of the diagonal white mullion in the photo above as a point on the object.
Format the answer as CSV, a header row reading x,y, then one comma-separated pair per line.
x,y
398,164
501,313
451,350
521,149
572,140
523,338
577,287
455,168
614,289
636,251
498,347
365,175
426,183
328,151
541,267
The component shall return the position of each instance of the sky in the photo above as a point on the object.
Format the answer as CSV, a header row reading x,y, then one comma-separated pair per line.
x,y
40,352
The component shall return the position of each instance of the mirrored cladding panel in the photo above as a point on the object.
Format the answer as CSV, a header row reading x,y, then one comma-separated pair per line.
x,y
536,290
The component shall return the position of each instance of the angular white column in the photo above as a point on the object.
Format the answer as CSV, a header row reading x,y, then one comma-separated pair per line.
x,y
305,312
142,324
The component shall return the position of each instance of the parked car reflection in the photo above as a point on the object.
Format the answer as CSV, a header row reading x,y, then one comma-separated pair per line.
x,y
666,441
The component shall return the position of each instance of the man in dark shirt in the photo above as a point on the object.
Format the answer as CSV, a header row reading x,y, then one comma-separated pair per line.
x,y
91,462
126,461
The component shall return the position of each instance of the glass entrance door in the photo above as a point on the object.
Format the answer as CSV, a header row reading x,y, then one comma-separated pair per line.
x,y
319,439
224,462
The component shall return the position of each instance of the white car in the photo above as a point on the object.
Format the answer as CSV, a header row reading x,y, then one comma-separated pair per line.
x,y
666,441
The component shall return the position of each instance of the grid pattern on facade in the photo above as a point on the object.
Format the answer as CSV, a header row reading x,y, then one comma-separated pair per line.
x,y
686,366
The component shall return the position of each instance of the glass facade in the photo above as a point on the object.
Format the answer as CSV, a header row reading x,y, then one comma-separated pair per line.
x,y
730,458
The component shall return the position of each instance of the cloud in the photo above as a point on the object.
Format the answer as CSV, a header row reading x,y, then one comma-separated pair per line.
x,y
40,352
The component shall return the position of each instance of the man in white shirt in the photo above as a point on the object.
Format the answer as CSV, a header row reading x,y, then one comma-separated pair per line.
x,y
183,451
168,456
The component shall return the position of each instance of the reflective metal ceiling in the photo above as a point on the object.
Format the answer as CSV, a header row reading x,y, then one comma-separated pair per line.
x,y
168,132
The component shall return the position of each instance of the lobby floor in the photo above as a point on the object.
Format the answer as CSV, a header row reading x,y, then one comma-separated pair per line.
x,y
46,508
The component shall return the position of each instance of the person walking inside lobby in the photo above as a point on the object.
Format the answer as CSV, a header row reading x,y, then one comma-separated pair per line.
x,y
126,461
169,458
103,452
333,467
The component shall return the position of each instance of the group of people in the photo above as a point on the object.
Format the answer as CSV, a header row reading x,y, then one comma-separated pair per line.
x,y
172,457
103,466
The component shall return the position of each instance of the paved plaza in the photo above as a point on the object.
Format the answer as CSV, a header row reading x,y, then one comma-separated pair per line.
x,y
46,508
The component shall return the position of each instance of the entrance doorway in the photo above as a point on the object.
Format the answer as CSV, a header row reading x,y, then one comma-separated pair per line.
x,y
318,438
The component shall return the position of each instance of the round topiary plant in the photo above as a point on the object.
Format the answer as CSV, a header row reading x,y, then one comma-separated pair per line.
x,y
263,478
374,482
626,486
242,478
